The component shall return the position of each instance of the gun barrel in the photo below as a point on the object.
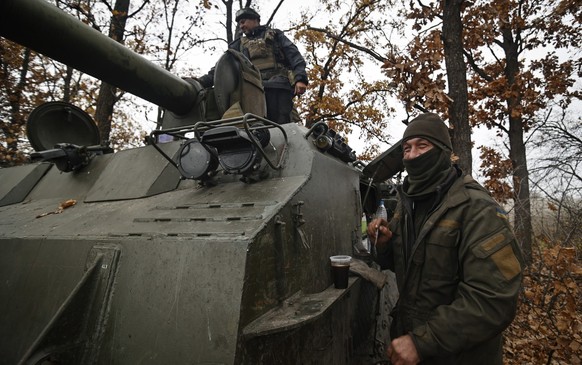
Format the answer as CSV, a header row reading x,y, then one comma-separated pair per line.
x,y
44,28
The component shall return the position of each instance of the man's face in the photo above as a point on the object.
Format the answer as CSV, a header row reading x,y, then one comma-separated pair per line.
x,y
247,25
415,147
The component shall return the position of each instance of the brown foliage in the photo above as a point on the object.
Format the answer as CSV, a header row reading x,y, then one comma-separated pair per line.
x,y
19,74
354,102
496,33
548,325
511,49
496,169
418,76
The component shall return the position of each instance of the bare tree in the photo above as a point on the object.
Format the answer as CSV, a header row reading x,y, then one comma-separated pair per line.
x,y
557,177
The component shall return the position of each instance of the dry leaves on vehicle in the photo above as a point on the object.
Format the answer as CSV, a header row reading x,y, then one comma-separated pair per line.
x,y
64,205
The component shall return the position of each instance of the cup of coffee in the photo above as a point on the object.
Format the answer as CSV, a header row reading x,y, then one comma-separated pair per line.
x,y
340,268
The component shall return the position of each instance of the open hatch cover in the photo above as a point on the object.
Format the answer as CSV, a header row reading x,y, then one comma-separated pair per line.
x,y
385,166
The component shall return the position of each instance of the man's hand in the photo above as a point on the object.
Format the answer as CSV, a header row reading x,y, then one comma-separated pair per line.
x,y
403,352
300,88
384,234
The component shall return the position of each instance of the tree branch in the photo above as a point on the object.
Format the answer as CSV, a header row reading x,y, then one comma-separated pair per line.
x,y
476,67
353,45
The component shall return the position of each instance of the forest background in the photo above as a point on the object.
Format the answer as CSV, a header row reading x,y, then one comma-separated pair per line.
x,y
506,74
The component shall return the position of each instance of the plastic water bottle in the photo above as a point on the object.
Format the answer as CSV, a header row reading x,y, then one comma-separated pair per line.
x,y
381,212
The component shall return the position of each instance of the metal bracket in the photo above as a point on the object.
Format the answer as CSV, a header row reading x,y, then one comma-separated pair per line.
x,y
297,311
298,215
280,244
73,334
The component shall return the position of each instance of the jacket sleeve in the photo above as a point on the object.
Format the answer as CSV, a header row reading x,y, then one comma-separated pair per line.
x,y
293,58
490,264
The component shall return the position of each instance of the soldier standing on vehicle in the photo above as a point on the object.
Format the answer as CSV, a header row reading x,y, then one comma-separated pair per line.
x,y
281,64
457,263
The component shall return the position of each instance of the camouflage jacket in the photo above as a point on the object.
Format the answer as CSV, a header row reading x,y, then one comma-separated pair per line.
x,y
460,282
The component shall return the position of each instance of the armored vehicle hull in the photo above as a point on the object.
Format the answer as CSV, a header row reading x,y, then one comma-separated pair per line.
x,y
211,249
149,267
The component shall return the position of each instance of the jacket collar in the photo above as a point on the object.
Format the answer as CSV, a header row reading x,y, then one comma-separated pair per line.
x,y
451,197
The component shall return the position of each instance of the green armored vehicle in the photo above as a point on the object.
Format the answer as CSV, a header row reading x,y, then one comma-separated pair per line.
x,y
212,248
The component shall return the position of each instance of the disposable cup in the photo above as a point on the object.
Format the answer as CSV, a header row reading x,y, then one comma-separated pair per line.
x,y
340,268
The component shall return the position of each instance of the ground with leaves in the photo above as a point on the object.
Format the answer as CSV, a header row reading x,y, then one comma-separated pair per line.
x,y
548,325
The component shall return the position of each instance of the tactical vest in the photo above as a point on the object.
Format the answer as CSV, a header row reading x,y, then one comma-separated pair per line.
x,y
262,53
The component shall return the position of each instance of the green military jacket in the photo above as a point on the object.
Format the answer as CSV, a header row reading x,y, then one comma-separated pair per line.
x,y
459,286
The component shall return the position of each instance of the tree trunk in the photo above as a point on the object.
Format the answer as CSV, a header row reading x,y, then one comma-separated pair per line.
x,y
457,79
229,20
107,93
517,151
67,85
517,154
104,111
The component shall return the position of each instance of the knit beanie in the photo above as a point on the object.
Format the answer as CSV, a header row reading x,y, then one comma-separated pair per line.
x,y
431,127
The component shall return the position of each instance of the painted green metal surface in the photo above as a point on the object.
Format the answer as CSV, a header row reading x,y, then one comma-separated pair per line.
x,y
196,264
124,262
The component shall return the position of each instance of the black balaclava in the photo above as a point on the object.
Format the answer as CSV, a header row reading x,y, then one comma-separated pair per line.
x,y
430,169
427,171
